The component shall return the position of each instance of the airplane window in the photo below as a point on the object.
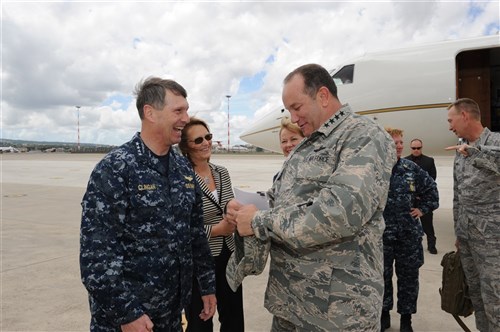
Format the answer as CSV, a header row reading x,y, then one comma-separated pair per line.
x,y
345,75
337,81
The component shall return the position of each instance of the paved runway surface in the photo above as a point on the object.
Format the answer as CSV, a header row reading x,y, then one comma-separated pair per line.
x,y
40,220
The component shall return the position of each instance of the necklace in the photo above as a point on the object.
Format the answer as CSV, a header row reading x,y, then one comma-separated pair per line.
x,y
205,178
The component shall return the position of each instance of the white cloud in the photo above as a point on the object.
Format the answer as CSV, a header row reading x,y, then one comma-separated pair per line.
x,y
60,54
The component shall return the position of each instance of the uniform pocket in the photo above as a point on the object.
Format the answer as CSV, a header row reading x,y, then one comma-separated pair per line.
x,y
309,282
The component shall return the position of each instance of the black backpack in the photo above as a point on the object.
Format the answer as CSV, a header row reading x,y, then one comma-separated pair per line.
x,y
454,291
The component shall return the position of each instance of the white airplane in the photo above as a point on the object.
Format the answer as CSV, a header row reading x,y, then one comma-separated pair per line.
x,y
8,149
410,89
239,148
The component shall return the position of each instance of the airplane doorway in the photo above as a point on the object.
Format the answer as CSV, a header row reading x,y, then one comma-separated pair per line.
x,y
478,78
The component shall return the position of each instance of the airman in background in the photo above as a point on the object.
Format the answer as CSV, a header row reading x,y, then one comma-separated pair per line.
x,y
476,209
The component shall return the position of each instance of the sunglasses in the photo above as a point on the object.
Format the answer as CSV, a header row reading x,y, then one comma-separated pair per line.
x,y
413,147
199,140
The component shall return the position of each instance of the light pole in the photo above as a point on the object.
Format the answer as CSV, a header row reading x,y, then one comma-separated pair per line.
x,y
78,126
228,134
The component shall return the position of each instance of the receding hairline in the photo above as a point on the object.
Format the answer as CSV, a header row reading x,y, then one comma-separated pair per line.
x,y
466,105
314,77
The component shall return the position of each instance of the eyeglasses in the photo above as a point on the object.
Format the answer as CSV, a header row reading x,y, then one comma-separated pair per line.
x,y
199,140
413,147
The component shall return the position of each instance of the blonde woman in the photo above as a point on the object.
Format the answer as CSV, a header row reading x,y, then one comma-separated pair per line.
x,y
290,135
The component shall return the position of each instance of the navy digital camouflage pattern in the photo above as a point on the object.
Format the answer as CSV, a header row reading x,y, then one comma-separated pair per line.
x,y
411,187
326,225
476,212
142,238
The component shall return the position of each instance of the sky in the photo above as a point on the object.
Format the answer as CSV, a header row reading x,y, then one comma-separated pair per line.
x,y
61,54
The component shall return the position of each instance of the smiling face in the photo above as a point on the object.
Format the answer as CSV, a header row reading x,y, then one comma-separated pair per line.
x,y
171,119
288,141
305,111
398,141
199,153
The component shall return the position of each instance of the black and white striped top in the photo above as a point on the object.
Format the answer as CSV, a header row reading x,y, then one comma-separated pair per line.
x,y
213,206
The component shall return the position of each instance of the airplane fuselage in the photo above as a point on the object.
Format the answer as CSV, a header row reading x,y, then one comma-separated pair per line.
x,y
410,89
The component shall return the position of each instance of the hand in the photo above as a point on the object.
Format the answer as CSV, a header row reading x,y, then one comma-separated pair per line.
x,y
231,208
462,149
416,213
457,245
209,306
141,324
244,218
223,228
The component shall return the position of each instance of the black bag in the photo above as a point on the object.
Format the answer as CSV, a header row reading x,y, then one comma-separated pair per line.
x,y
454,291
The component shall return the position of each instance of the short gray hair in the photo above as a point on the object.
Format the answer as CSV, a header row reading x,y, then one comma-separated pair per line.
x,y
467,105
152,91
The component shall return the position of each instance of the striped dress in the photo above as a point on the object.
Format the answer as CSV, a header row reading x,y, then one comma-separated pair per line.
x,y
213,207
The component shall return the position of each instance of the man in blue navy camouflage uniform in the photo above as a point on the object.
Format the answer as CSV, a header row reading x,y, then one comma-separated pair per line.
x,y
142,238
403,233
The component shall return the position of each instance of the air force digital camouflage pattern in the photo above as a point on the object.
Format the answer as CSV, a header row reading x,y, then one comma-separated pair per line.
x,y
411,187
326,227
476,212
141,231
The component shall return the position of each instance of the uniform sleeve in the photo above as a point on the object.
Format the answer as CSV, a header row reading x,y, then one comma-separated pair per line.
x,y
352,195
427,193
486,157
203,262
104,206
455,190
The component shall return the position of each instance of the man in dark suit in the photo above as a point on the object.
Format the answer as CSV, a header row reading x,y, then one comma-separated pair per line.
x,y
426,163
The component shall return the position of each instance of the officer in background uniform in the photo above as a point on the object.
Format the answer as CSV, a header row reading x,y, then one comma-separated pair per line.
x,y
142,237
412,194
325,223
428,165
476,209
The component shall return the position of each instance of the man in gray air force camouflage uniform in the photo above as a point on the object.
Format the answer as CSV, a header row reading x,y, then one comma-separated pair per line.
x,y
325,224
142,237
476,209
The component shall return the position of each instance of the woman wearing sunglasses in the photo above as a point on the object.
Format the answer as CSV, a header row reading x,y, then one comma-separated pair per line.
x,y
215,183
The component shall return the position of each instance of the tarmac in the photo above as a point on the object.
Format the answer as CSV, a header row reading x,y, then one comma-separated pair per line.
x,y
40,223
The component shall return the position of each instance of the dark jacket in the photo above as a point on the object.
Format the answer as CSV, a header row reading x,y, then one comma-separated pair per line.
x,y
426,163
408,181
142,236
